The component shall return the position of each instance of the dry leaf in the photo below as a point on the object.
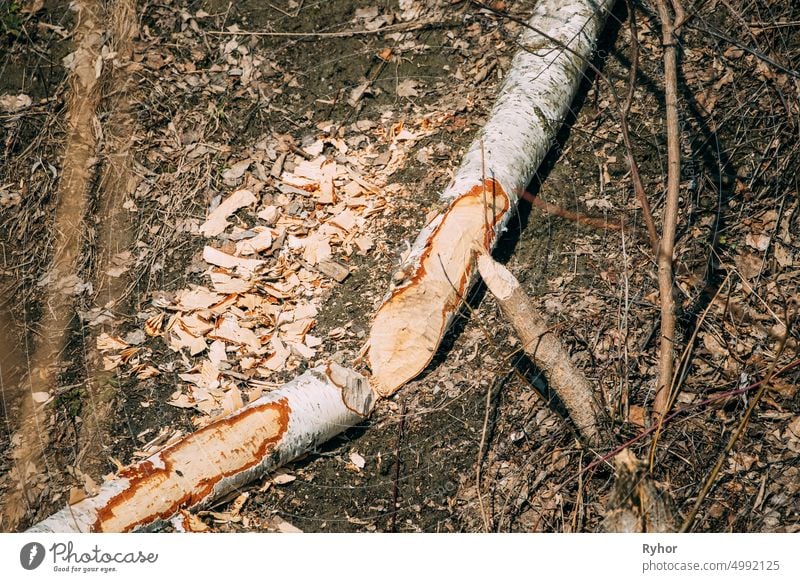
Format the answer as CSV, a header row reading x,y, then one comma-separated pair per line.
x,y
408,88
757,241
111,362
637,415
236,171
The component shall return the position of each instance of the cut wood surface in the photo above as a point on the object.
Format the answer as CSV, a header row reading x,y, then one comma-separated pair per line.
x,y
224,455
531,105
544,348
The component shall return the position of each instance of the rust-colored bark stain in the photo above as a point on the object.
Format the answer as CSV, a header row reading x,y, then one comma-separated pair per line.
x,y
492,190
187,472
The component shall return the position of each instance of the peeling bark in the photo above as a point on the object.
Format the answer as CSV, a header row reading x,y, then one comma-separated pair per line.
x,y
224,455
531,105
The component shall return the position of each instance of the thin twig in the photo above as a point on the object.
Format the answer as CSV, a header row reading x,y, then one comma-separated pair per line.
x,y
758,54
401,429
479,463
684,363
554,210
666,250
636,178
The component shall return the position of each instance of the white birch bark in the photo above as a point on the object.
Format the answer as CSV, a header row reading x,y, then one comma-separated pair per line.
x,y
531,105
224,455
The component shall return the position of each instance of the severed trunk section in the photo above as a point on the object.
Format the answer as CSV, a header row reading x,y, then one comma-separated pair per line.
x,y
276,428
530,107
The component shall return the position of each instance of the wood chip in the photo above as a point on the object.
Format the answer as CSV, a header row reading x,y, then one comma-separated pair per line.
x,y
262,241
217,222
334,270
218,258
152,326
270,215
229,330
196,298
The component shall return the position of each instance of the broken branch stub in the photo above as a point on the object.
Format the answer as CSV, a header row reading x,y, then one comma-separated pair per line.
x,y
544,348
530,107
276,428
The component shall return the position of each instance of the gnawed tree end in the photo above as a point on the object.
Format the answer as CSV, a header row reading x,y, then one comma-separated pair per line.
x,y
410,325
226,454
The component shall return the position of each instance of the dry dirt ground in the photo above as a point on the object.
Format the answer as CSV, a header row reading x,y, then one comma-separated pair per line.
x,y
205,105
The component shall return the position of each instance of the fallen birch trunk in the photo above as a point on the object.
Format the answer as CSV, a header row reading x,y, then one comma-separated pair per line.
x,y
324,402
531,105
224,455
544,348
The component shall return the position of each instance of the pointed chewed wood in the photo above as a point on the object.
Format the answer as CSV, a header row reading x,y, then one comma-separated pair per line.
x,y
408,328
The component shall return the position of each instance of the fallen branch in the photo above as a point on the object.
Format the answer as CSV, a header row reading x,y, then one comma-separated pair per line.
x,y
224,455
544,348
532,102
